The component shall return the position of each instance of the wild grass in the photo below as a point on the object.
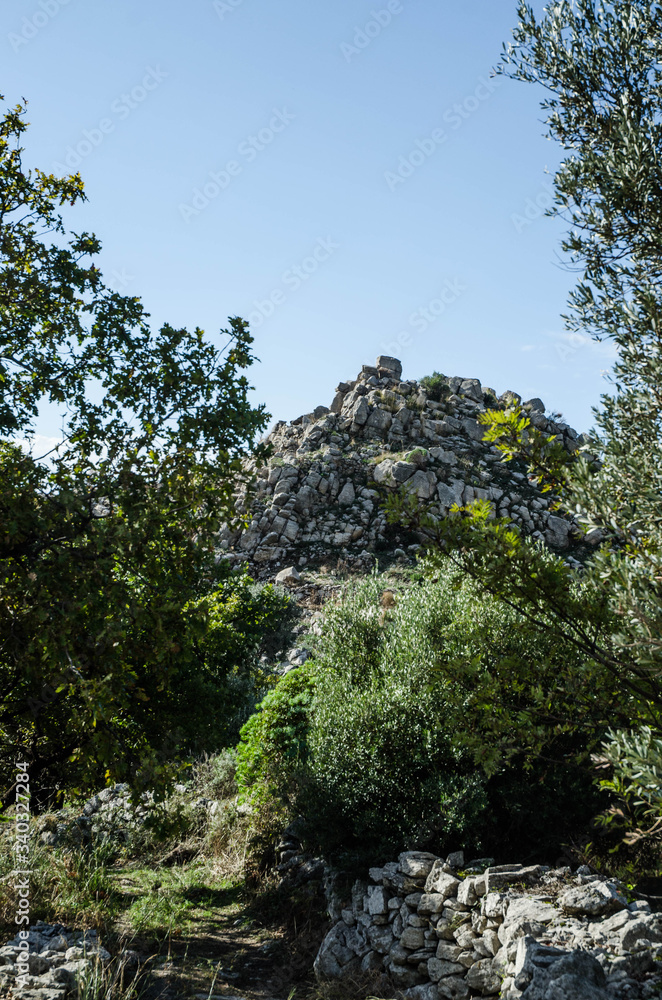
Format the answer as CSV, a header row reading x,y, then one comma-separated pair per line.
x,y
368,986
72,887
120,979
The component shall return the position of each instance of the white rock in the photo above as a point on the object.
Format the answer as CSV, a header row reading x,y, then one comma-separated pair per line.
x,y
438,969
592,900
481,976
431,902
453,988
417,864
288,576
347,494
466,893
439,881
377,900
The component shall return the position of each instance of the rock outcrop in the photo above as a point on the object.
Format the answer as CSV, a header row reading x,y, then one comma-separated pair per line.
x,y
318,498
439,929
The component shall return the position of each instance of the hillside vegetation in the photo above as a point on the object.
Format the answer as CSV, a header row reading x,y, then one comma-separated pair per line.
x,y
237,674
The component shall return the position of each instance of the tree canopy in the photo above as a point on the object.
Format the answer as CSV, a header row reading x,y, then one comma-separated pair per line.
x,y
107,544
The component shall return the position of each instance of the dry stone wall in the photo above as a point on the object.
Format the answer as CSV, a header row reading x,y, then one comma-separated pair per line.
x,y
52,962
318,498
443,930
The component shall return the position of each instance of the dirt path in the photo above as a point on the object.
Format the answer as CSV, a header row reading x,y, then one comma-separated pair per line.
x,y
223,942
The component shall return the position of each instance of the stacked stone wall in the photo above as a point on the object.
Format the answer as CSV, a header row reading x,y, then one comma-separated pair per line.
x,y
443,930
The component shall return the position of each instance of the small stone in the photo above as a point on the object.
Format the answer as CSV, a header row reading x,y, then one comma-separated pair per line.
x,y
391,365
431,902
289,576
453,988
438,881
426,991
644,929
503,875
448,952
492,943
416,864
377,900
466,892
437,969
482,977
413,899
413,938
347,494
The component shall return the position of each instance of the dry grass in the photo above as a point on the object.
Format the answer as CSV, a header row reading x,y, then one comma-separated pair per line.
x,y
362,987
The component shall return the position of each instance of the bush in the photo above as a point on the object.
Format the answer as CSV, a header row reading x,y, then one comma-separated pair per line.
x,y
215,776
436,386
273,746
635,760
72,886
436,721
224,678
419,456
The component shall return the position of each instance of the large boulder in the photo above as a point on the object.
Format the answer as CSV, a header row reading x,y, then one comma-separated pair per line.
x,y
592,900
551,974
391,367
335,960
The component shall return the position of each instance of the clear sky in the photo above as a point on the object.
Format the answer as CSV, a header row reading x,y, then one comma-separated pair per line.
x,y
345,174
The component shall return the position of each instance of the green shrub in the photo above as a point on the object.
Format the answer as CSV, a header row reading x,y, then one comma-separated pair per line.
x,y
436,386
68,885
223,678
634,758
273,746
215,776
437,721
419,456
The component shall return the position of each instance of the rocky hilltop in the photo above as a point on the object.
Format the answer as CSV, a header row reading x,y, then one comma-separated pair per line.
x,y
318,498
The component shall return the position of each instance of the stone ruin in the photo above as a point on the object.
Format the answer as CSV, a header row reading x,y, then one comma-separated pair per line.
x,y
317,500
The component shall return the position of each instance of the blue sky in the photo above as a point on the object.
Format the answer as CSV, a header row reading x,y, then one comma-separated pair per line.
x,y
344,174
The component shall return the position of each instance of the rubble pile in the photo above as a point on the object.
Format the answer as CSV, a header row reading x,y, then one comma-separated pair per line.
x,y
319,496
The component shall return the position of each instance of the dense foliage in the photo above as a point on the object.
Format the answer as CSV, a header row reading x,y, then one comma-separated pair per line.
x,y
633,761
107,546
273,751
436,386
600,63
246,626
440,718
